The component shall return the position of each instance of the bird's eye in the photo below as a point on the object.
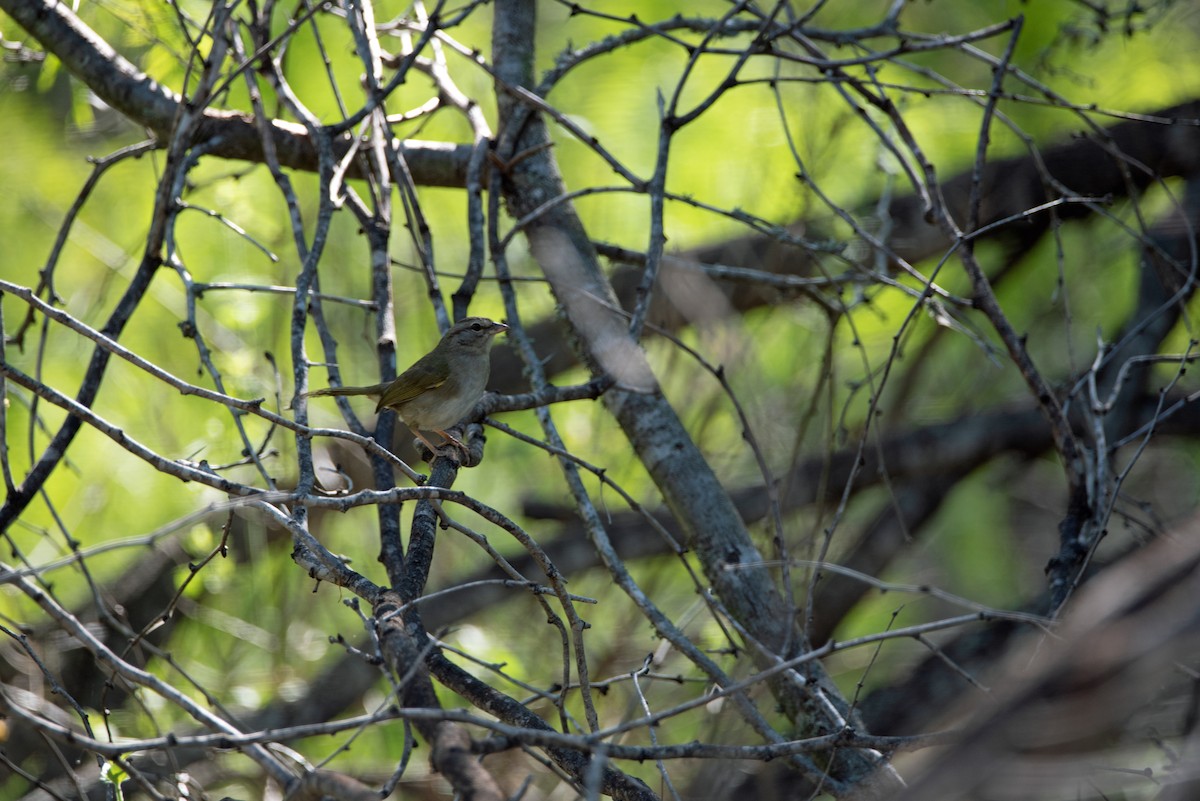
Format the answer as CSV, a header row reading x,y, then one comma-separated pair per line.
x,y
476,327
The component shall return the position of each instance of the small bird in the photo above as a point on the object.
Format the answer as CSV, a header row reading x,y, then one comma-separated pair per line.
x,y
442,386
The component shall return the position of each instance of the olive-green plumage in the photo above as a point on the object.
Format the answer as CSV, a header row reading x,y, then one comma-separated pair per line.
x,y
443,386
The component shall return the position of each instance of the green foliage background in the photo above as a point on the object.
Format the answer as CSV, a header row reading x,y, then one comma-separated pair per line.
x,y
252,622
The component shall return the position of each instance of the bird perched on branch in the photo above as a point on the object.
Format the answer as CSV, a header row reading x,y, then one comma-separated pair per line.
x,y
443,386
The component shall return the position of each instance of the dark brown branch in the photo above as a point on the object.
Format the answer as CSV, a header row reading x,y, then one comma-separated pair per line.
x,y
1167,142
150,104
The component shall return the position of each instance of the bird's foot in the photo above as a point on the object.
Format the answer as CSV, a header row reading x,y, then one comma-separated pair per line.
x,y
453,448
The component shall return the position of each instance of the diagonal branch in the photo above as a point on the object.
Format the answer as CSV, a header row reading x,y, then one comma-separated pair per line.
x,y
149,103
689,486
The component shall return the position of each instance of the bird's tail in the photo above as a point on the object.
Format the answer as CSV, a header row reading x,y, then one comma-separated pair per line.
x,y
377,390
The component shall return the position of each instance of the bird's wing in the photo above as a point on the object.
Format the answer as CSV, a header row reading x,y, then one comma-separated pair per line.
x,y
413,382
